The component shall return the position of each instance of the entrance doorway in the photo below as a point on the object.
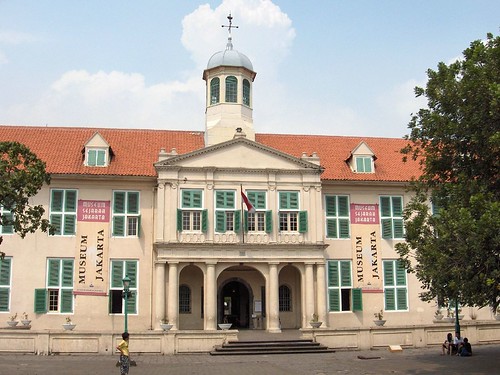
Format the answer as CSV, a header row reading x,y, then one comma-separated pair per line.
x,y
234,304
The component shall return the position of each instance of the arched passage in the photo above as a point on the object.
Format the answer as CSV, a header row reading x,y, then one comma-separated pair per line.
x,y
234,303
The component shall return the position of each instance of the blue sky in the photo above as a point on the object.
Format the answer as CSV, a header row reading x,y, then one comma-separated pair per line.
x,y
323,67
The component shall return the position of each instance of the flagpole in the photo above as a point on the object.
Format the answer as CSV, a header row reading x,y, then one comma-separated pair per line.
x,y
242,215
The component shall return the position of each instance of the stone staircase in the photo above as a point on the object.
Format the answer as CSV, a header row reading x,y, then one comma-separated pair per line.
x,y
266,347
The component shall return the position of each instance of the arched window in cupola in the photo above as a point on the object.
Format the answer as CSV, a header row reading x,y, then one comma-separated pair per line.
x,y
231,89
215,90
246,92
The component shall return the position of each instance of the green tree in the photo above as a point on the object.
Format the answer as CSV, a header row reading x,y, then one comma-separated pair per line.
x,y
454,248
22,175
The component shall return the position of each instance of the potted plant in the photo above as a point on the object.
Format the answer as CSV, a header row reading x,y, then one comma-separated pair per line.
x,y
25,320
12,322
314,322
69,326
450,316
225,325
379,318
438,315
164,325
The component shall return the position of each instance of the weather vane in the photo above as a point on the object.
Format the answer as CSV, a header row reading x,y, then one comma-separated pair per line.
x,y
230,18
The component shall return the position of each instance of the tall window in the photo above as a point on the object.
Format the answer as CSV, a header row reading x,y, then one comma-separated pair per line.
x,y
184,299
7,226
231,89
391,216
191,216
395,286
285,298
215,90
120,269
5,280
227,218
246,92
63,211
126,215
341,294
290,218
96,157
260,220
337,216
58,294
364,164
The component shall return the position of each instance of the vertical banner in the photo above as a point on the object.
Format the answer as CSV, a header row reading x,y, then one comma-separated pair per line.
x,y
91,260
365,236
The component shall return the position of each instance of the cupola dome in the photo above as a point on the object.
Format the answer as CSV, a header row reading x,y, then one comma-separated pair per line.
x,y
229,57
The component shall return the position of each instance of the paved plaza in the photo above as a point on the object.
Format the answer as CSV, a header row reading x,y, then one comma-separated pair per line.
x,y
486,360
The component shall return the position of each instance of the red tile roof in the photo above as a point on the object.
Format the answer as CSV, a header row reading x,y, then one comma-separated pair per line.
x,y
136,150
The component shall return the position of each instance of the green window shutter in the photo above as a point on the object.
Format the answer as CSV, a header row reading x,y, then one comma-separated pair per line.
x,y
131,272
385,206
397,206
386,228
368,165
294,200
197,199
220,221
345,273
331,228
4,299
116,274
359,165
66,300
119,202
269,221
69,225
331,205
398,228
343,228
401,299
70,202
224,199
53,278
8,228
56,221
139,226
389,273
334,299
400,274
204,221
390,299
101,157
289,200
333,274
132,202
237,221
179,220
132,303
5,272
357,299
40,301
302,221
67,272
245,221
343,206
92,158
119,226
56,203
258,199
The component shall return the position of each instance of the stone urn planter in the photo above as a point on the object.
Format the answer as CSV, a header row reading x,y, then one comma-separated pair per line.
x,y
225,326
69,326
315,324
26,322
379,322
12,323
497,316
166,326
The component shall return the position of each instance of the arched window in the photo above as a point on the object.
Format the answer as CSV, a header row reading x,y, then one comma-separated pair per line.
x,y
231,89
184,300
215,90
246,92
285,298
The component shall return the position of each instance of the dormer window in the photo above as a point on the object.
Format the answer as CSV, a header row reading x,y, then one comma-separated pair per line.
x,y
96,157
364,164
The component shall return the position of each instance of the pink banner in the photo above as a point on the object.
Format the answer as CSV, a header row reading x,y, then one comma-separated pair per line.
x,y
364,213
93,211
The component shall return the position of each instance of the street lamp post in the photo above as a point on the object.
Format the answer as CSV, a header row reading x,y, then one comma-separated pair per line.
x,y
126,294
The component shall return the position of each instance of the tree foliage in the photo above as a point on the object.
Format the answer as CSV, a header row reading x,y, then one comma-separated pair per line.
x,y
455,250
22,175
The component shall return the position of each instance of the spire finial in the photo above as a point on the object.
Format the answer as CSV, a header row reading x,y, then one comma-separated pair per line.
x,y
229,27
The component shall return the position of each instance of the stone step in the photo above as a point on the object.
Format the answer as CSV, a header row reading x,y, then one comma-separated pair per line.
x,y
270,347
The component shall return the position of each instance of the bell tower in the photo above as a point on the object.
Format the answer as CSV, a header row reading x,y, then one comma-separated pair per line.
x,y
229,78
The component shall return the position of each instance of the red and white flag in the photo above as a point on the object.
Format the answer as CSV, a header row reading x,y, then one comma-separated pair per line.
x,y
249,205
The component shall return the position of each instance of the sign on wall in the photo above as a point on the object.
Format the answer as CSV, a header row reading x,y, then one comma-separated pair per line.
x,y
93,211
364,213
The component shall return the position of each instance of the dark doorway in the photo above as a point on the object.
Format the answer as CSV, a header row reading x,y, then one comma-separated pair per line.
x,y
234,305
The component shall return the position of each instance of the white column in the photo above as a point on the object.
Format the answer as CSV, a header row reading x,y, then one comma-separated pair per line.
x,y
274,316
321,295
173,295
160,292
211,299
160,212
309,291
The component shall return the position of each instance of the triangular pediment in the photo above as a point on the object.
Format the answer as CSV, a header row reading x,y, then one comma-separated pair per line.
x,y
97,140
239,153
